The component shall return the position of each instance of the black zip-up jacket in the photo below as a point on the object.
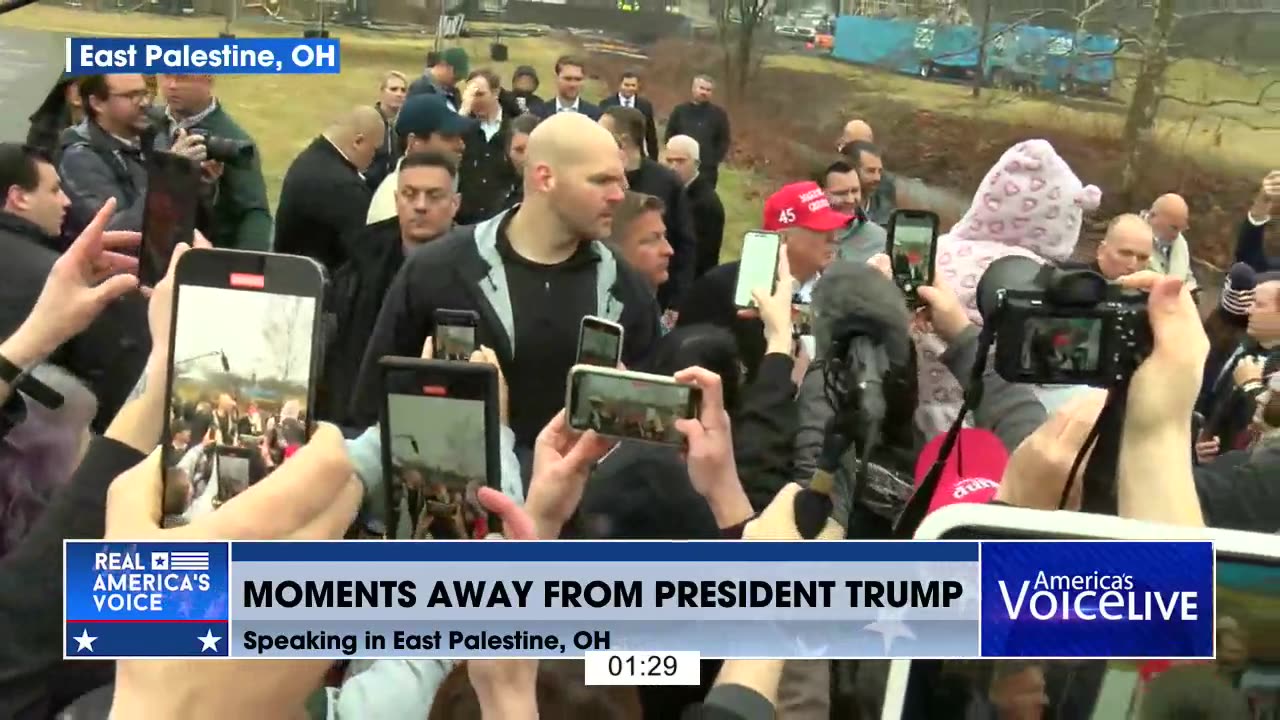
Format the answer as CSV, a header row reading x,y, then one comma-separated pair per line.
x,y
352,302
108,355
485,175
467,269
707,123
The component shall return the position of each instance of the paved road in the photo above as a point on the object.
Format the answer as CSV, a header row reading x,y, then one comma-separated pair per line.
x,y
30,62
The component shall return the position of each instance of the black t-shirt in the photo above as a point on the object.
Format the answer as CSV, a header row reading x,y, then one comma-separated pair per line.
x,y
547,305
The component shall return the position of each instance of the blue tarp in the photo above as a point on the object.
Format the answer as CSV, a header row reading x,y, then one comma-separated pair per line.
x,y
1031,53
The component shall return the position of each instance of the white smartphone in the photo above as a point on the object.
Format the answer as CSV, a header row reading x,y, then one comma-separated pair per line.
x,y
599,342
758,267
1249,558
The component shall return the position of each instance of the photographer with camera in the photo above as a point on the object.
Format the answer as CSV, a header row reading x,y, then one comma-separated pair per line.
x,y
103,157
239,217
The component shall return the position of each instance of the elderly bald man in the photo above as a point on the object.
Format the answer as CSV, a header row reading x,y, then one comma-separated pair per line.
x,y
324,195
855,131
1169,218
530,274
683,156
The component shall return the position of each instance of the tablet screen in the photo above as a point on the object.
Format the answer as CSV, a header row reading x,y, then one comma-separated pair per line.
x,y
1248,653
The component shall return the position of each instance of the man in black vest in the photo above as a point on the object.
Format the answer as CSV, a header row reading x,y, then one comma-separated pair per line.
x,y
628,95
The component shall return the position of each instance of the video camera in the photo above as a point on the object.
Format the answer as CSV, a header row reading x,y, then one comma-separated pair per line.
x,y
1062,326
224,150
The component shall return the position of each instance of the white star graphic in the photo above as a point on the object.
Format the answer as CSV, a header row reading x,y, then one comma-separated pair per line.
x,y
890,627
209,641
83,641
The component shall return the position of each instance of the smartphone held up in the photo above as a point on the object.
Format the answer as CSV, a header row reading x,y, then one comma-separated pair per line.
x,y
440,445
169,212
912,247
243,362
629,405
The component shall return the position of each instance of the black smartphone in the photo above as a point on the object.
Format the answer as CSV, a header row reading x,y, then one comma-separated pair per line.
x,y
758,267
455,336
235,471
169,212
439,446
632,405
912,247
244,341
599,342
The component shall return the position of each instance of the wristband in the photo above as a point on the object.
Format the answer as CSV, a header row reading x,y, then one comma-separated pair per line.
x,y
21,380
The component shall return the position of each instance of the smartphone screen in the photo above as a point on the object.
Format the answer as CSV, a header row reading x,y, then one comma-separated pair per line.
x,y
169,214
455,334
242,358
438,445
630,405
599,343
912,240
758,267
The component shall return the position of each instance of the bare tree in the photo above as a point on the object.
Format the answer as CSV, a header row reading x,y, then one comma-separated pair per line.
x,y
739,23
280,332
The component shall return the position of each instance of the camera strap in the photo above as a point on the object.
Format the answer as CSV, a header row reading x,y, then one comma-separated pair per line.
x,y
1102,448
918,504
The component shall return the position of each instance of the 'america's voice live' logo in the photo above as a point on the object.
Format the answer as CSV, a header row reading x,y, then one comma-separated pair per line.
x,y
1097,599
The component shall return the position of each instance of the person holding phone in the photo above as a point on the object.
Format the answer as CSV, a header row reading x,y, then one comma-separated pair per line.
x,y
802,214
530,274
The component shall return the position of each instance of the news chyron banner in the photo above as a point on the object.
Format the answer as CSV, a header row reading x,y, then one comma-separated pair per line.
x,y
202,56
146,599
459,599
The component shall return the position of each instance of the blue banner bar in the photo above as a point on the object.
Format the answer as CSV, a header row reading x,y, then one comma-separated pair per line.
x,y
203,56
594,551
1098,599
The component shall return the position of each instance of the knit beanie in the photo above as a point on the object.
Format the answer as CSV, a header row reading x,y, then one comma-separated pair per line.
x,y
1030,204
1238,292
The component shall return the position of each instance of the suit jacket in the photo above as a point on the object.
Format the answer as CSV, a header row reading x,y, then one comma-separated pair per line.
x,y
548,108
650,127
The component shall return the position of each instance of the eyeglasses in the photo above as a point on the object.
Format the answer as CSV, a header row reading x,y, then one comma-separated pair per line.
x,y
136,96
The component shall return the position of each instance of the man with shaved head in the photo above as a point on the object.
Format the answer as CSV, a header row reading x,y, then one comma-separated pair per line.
x,y
855,131
1126,249
530,273
324,195
1169,218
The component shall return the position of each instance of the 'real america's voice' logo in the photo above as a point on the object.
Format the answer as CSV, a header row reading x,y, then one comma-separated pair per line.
x,y
1097,599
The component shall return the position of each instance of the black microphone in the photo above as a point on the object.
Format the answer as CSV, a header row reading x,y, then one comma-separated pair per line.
x,y
860,328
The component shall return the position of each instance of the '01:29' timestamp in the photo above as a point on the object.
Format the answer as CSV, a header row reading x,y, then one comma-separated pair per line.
x,y
643,668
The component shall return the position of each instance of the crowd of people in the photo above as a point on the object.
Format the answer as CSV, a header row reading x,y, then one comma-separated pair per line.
x,y
452,192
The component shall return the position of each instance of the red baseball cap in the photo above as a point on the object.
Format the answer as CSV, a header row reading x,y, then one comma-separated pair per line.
x,y
802,204
973,471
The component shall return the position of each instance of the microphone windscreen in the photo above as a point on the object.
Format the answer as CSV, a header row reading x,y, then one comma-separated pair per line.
x,y
855,289
973,471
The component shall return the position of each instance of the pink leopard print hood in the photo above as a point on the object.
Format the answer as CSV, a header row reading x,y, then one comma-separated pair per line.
x,y
1030,204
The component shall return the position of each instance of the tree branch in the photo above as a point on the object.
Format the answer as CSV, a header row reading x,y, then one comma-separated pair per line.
x,y
1228,102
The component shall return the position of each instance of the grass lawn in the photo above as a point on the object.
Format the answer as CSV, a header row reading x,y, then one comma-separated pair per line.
x,y
284,113
1214,131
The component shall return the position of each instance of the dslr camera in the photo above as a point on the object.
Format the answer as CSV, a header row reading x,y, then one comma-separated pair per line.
x,y
1062,326
224,150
